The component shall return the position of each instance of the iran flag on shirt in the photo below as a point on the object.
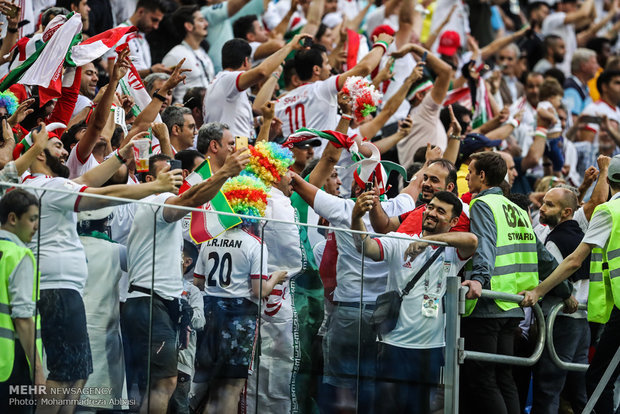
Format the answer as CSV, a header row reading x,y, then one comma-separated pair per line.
x,y
204,226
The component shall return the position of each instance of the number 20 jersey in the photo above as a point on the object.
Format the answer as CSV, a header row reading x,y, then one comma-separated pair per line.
x,y
311,105
229,263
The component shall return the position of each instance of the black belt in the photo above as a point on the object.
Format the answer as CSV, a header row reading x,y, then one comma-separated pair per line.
x,y
368,306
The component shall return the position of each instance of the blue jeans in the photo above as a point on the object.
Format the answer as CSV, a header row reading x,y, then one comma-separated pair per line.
x,y
571,339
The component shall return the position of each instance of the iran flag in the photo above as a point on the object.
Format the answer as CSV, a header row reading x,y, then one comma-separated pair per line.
x,y
132,85
96,46
206,226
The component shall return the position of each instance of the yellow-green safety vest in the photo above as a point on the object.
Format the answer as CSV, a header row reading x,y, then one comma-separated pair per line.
x,y
604,290
516,259
10,256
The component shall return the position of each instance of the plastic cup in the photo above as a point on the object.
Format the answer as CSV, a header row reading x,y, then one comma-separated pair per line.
x,y
142,149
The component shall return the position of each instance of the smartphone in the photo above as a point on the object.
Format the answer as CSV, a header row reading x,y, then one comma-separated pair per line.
x,y
175,165
306,41
590,119
424,56
370,184
240,142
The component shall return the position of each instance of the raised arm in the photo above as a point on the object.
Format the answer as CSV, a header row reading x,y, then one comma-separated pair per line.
x,y
265,93
438,66
149,114
405,23
315,14
601,189
583,13
268,66
331,154
500,43
166,181
268,111
102,111
39,144
368,63
305,190
387,143
370,129
369,246
201,193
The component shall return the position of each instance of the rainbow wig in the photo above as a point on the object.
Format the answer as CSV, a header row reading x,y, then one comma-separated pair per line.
x,y
9,101
269,161
247,195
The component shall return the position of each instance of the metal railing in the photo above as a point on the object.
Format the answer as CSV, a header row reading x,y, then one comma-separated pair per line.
x,y
569,366
455,345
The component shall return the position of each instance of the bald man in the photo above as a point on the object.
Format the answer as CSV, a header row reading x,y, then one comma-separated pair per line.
x,y
567,222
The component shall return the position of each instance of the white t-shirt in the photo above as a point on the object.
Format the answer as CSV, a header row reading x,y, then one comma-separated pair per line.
x,y
225,102
338,212
548,106
554,24
229,263
78,167
413,330
140,51
600,108
62,259
599,230
81,103
402,69
426,128
195,59
312,105
169,245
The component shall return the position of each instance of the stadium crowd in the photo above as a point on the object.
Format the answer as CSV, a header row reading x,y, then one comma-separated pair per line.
x,y
490,127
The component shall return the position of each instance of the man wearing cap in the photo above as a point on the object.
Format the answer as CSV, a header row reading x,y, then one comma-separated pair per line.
x,y
449,44
303,152
508,256
602,244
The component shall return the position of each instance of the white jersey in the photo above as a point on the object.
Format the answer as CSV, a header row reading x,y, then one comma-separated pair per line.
x,y
139,49
402,69
312,105
225,102
338,212
601,108
78,167
230,262
195,59
61,255
413,330
169,245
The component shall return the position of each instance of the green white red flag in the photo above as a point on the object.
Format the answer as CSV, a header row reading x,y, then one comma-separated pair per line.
x,y
206,226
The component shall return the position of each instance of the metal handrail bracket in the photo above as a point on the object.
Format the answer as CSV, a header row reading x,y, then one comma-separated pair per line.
x,y
506,359
569,366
